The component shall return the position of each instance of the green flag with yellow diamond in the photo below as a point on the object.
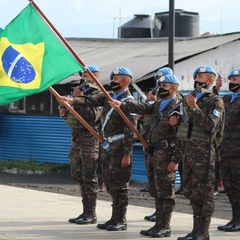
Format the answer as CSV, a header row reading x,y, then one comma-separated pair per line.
x,y
32,58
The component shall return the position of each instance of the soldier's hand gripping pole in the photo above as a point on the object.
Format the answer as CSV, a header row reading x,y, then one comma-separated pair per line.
x,y
103,143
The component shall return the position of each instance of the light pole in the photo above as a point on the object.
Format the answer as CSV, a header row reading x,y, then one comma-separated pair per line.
x,y
171,34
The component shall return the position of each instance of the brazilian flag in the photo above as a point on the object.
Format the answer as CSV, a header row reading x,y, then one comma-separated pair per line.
x,y
32,58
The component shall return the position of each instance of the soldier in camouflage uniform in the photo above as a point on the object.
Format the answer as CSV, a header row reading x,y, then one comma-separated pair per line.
x,y
230,151
160,168
117,163
201,135
84,150
147,120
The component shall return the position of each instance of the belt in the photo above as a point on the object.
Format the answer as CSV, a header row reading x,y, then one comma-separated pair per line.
x,y
231,135
114,138
160,145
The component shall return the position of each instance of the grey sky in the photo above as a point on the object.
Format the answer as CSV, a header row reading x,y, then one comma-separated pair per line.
x,y
100,18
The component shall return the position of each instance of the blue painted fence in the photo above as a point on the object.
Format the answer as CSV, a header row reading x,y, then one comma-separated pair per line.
x,y
46,139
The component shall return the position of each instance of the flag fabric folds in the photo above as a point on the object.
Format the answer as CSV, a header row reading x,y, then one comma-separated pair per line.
x,y
32,57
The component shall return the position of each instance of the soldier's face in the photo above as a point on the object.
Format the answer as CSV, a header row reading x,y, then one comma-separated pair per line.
x,y
166,86
85,76
235,79
207,78
201,77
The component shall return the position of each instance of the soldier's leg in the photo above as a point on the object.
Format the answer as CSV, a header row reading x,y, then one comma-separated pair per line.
x,y
76,173
107,182
151,185
164,201
226,174
187,187
152,191
119,190
199,188
89,156
120,221
114,216
164,209
203,194
233,192
119,185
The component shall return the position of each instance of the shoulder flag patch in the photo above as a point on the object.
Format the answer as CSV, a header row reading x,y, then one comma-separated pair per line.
x,y
216,113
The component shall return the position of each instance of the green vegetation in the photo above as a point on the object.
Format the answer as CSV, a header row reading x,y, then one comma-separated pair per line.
x,y
34,166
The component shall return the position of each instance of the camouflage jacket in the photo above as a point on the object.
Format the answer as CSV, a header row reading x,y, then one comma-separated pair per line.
x,y
161,129
116,124
206,121
90,114
231,138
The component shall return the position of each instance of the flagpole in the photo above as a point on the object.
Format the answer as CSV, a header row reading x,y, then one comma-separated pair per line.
x,y
76,115
128,122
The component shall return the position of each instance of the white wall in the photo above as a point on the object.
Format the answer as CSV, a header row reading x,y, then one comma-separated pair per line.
x,y
223,59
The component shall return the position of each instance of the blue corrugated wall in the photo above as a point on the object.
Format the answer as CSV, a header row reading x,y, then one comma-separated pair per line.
x,y
46,139
39,138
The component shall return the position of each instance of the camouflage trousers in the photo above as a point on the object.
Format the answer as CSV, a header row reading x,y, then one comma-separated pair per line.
x,y
160,181
115,177
230,173
84,163
198,177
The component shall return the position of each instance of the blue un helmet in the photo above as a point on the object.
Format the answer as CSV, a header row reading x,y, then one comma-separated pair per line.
x,y
204,69
170,78
120,71
162,72
92,68
234,72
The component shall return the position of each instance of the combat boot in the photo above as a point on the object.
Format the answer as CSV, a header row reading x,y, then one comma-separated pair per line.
x,y
148,217
87,219
112,220
196,227
90,214
84,203
146,232
222,227
160,232
73,220
235,226
229,224
202,233
163,225
121,223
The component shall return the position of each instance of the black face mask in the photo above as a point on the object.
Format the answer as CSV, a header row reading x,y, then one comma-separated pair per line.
x,y
198,84
163,93
234,87
115,86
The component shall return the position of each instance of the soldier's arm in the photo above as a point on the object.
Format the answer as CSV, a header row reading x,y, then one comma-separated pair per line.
x,y
210,120
131,106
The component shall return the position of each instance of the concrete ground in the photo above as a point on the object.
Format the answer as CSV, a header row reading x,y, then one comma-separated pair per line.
x,y
33,215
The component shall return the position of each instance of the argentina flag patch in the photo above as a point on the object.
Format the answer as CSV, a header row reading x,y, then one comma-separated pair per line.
x,y
216,113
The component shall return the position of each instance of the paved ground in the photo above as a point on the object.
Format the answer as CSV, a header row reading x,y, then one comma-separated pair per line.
x,y
28,214
62,183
